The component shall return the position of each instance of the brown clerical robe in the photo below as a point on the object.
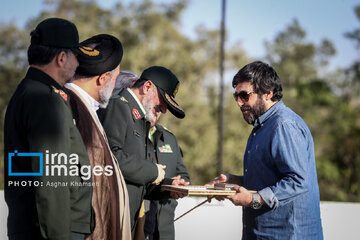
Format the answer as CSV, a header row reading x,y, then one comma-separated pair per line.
x,y
110,197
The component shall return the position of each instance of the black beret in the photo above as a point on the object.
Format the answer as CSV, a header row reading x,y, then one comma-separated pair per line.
x,y
111,50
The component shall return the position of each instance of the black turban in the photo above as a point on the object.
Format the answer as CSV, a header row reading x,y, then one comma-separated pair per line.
x,y
111,49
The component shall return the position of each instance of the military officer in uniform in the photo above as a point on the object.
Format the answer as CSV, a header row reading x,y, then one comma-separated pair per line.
x,y
39,120
126,121
164,149
159,217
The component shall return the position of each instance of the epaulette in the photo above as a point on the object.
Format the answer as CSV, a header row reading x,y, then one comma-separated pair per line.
x,y
60,92
167,130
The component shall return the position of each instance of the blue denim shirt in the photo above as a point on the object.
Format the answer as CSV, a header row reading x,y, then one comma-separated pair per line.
x,y
279,163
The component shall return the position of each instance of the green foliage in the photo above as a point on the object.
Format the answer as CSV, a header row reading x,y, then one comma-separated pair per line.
x,y
328,102
150,36
328,105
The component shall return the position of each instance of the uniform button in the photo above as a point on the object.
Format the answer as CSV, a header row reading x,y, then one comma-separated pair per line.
x,y
262,124
245,170
249,151
254,134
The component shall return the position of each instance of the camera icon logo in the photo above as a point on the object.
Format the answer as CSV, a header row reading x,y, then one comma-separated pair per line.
x,y
15,157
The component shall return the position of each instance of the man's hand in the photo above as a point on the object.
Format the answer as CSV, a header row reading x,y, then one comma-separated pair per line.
x,y
243,197
220,179
178,181
161,174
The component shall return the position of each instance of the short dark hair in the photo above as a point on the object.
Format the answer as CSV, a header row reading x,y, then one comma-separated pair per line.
x,y
42,55
139,83
262,76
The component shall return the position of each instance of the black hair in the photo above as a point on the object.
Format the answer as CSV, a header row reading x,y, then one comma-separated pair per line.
x,y
262,76
40,54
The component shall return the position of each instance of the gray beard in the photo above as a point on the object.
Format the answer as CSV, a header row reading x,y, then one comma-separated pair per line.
x,y
148,104
105,94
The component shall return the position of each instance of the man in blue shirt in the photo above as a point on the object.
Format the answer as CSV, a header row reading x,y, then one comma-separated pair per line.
x,y
279,163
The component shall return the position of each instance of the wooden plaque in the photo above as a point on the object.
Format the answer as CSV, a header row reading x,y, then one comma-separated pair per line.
x,y
198,190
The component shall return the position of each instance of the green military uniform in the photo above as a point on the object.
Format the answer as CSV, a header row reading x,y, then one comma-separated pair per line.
x,y
39,118
160,218
127,130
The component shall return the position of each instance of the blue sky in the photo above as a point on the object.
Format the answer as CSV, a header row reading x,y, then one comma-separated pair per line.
x,y
247,21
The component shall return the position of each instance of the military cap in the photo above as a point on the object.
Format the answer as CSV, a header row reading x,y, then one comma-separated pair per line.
x,y
111,50
167,84
61,33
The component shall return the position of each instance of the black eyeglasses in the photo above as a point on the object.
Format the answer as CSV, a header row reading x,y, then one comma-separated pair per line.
x,y
244,96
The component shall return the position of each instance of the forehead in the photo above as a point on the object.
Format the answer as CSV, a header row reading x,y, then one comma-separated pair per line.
x,y
244,86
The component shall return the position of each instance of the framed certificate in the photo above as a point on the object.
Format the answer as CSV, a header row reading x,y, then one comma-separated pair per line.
x,y
199,190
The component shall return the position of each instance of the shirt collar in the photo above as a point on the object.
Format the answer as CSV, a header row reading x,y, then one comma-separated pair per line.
x,y
271,111
152,134
137,100
90,100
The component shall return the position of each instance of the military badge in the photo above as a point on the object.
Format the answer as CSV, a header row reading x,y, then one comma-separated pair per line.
x,y
61,92
165,149
55,89
136,113
123,99
63,95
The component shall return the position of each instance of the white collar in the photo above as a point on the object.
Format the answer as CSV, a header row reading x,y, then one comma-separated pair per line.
x,y
137,100
90,100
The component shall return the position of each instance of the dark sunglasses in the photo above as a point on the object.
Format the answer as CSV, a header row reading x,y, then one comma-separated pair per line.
x,y
244,96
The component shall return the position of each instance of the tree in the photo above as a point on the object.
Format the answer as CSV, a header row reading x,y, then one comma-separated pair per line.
x,y
150,36
13,64
326,102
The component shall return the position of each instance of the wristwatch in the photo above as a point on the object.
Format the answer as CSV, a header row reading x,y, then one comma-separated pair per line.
x,y
255,203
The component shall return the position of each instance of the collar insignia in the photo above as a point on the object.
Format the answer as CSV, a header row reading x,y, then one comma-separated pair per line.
x,y
136,113
63,95
61,92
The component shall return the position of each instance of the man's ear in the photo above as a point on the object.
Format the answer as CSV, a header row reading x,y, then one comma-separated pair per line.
x,y
103,79
147,86
269,95
61,59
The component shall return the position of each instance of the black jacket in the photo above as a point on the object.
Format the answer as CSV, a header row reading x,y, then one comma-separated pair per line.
x,y
127,130
38,118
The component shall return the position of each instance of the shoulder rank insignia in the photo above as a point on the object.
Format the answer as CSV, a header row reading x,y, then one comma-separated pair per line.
x,y
165,149
166,129
61,92
136,113
123,99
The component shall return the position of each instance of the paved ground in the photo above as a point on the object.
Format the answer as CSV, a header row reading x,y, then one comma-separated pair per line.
x,y
222,220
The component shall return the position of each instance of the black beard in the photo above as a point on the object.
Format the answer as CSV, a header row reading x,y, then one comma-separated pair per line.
x,y
254,112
